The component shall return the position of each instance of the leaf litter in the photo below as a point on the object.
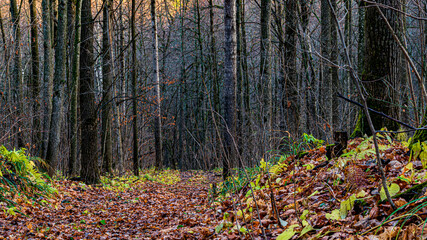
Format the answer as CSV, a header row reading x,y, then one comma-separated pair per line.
x,y
143,209
290,199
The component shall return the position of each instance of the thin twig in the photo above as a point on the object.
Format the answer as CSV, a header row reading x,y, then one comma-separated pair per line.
x,y
365,107
376,112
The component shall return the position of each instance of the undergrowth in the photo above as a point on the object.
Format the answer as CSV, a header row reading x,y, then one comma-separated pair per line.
x,y
120,184
273,166
274,175
165,176
20,179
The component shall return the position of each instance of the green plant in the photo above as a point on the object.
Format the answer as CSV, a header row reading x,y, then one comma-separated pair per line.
x,y
419,149
422,203
20,177
292,146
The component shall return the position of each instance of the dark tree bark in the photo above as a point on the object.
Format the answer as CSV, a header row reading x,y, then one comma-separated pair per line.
x,y
17,68
35,82
134,94
290,78
89,138
156,77
382,63
107,79
265,84
326,80
6,57
47,74
75,83
3,36
230,77
59,78
240,79
334,78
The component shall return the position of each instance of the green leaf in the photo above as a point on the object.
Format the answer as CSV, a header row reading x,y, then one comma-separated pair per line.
x,y
361,194
263,164
219,227
305,230
346,206
423,157
309,166
304,215
243,230
240,213
393,190
103,222
334,215
288,233
314,193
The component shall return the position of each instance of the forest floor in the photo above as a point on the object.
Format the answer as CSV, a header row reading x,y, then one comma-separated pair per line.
x,y
286,198
175,207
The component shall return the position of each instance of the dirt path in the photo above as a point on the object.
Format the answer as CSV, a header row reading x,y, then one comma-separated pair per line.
x,y
145,210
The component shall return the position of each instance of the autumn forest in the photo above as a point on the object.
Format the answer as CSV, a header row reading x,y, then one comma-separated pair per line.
x,y
213,119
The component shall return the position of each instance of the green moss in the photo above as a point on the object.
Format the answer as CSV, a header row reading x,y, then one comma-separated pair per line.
x,y
358,130
420,135
379,122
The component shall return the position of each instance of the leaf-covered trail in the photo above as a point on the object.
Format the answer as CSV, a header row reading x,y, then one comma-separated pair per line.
x,y
139,210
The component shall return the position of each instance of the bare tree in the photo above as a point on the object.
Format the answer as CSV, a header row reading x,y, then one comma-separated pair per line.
x,y
47,73
265,83
17,68
134,94
381,66
75,84
107,88
60,76
89,138
230,76
35,82
156,78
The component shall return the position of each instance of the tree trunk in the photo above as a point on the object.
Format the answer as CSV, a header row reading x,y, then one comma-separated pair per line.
x,y
35,82
230,77
182,88
72,163
47,74
265,84
381,67
240,80
6,58
348,109
290,103
59,78
334,78
17,68
215,81
326,80
89,138
305,92
3,36
134,95
107,79
156,78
